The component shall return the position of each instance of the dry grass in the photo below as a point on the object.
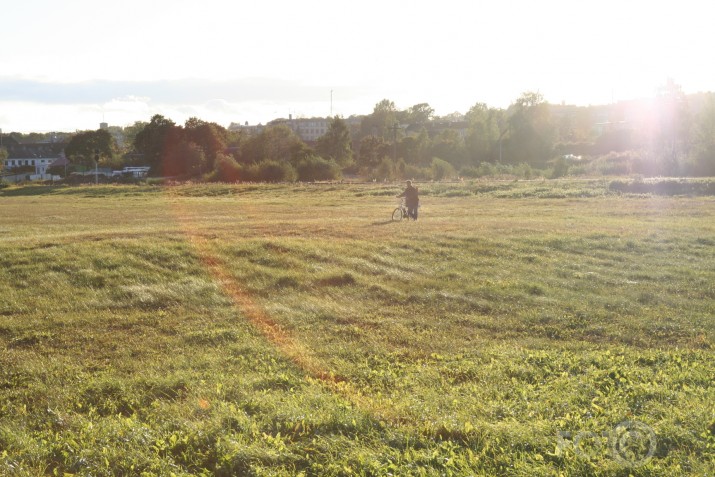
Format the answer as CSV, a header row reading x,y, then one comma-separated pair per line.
x,y
279,330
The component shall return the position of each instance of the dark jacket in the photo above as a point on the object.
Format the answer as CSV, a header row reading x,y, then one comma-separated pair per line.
x,y
411,196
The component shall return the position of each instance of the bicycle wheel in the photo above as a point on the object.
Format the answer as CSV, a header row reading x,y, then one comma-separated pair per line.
x,y
397,214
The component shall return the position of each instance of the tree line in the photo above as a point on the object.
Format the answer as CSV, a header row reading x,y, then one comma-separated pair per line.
x,y
530,137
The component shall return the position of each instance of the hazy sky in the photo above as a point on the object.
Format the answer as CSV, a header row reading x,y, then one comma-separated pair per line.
x,y
68,65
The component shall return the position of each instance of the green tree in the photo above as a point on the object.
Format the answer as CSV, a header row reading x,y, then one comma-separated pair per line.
x,y
3,156
380,121
703,150
449,146
275,143
560,168
336,143
210,137
84,147
372,150
225,169
314,168
531,134
419,114
670,139
413,149
442,169
156,142
130,133
386,170
483,134
183,158
270,171
575,125
236,139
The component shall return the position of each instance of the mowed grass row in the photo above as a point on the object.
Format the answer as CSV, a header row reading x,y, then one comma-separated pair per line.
x,y
280,330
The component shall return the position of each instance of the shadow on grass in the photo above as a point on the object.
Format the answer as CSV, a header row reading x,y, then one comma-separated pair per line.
x,y
383,222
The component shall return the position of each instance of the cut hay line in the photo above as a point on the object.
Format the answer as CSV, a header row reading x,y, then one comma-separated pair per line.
x,y
297,353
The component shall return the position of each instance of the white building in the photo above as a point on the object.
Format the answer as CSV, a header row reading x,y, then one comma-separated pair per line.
x,y
30,161
39,163
308,129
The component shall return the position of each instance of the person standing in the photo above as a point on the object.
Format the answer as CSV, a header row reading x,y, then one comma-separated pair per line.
x,y
412,200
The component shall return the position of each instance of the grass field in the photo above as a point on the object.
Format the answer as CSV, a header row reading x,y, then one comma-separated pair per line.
x,y
295,330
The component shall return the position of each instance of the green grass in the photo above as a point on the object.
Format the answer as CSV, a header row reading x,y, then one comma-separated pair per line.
x,y
294,329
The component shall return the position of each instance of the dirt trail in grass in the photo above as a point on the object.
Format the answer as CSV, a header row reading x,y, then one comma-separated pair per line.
x,y
296,352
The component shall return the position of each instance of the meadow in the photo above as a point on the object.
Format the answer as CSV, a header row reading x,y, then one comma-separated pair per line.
x,y
544,328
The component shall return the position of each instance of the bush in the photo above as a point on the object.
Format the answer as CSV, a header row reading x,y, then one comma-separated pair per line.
x,y
442,169
560,169
226,169
486,169
315,168
386,170
524,171
415,172
270,171
617,163
470,172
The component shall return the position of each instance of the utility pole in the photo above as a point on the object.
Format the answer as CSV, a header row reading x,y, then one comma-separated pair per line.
x,y
331,103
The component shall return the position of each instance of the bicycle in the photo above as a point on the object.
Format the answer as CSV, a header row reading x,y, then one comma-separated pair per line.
x,y
400,212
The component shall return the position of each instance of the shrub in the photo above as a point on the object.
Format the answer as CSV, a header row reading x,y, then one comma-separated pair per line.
x,y
315,168
386,170
270,171
442,169
415,172
469,171
617,163
225,169
524,170
486,169
560,169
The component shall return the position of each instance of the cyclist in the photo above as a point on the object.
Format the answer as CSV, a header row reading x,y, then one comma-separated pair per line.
x,y
412,200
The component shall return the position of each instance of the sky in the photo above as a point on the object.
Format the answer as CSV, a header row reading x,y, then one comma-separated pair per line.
x,y
69,65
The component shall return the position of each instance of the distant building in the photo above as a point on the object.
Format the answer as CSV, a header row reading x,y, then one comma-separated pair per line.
x,y
38,155
250,129
308,129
